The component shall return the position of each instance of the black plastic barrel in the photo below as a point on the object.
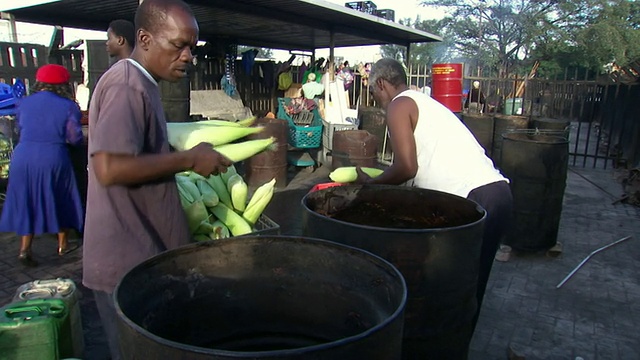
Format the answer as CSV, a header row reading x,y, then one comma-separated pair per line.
x,y
432,237
354,148
263,167
372,119
481,126
504,124
536,166
176,98
262,298
551,126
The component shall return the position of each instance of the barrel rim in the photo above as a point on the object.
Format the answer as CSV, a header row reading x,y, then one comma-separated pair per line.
x,y
252,354
558,139
395,230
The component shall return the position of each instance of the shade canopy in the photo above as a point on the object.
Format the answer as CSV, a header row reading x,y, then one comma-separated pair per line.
x,y
279,24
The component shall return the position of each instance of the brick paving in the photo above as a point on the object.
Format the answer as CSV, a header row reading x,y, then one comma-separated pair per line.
x,y
595,315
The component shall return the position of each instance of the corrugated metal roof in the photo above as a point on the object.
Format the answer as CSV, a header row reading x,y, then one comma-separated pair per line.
x,y
282,24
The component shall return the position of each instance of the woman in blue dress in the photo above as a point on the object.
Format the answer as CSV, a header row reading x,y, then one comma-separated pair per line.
x,y
42,195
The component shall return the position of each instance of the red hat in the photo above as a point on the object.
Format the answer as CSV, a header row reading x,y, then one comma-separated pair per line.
x,y
53,74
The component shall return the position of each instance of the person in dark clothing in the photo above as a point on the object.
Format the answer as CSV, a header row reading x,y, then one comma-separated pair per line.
x,y
120,39
475,99
133,206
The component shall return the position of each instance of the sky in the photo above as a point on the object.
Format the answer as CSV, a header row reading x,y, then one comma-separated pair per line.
x,y
41,34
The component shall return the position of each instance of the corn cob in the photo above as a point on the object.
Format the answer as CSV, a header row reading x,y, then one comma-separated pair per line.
x,y
244,122
236,224
220,231
214,135
196,213
194,176
185,196
231,170
238,190
347,174
216,122
209,196
246,149
201,237
191,188
259,201
220,188
205,227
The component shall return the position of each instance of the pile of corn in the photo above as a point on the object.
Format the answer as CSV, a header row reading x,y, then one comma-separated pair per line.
x,y
217,206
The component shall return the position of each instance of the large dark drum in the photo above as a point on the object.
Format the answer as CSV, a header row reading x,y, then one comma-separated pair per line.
x,y
550,126
262,298
263,167
536,166
176,99
372,119
481,126
432,237
504,124
354,148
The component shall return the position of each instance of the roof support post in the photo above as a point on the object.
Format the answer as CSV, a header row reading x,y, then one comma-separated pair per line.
x,y
407,59
332,45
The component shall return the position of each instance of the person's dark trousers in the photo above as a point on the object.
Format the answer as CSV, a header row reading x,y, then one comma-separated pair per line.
x,y
497,200
108,317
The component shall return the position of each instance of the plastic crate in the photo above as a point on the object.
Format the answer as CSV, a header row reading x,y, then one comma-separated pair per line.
x,y
328,130
301,136
266,226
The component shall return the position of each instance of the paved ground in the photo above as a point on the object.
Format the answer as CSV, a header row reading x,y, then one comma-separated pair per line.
x,y
595,315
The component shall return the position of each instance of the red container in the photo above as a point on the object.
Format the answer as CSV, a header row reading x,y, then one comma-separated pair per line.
x,y
324,186
446,85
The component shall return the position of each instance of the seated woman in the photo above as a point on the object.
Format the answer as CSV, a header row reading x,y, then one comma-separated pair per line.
x,y
312,89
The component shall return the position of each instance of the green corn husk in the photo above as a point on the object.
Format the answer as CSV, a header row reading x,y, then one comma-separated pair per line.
x,y
347,174
246,149
209,195
184,136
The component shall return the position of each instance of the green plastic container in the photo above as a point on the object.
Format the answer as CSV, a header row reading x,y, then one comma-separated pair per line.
x,y
513,106
34,330
61,289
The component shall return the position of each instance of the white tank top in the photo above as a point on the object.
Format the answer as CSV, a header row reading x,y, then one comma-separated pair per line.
x,y
449,157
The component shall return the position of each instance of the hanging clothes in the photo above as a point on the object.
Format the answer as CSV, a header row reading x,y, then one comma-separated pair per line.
x,y
301,70
268,71
248,59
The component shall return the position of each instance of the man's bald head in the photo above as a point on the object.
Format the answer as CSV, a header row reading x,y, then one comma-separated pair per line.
x,y
152,14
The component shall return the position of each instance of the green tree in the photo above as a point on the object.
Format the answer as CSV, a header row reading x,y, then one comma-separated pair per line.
x,y
502,34
613,35
422,54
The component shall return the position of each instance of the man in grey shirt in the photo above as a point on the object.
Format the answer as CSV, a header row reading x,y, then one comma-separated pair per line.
x,y
133,207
